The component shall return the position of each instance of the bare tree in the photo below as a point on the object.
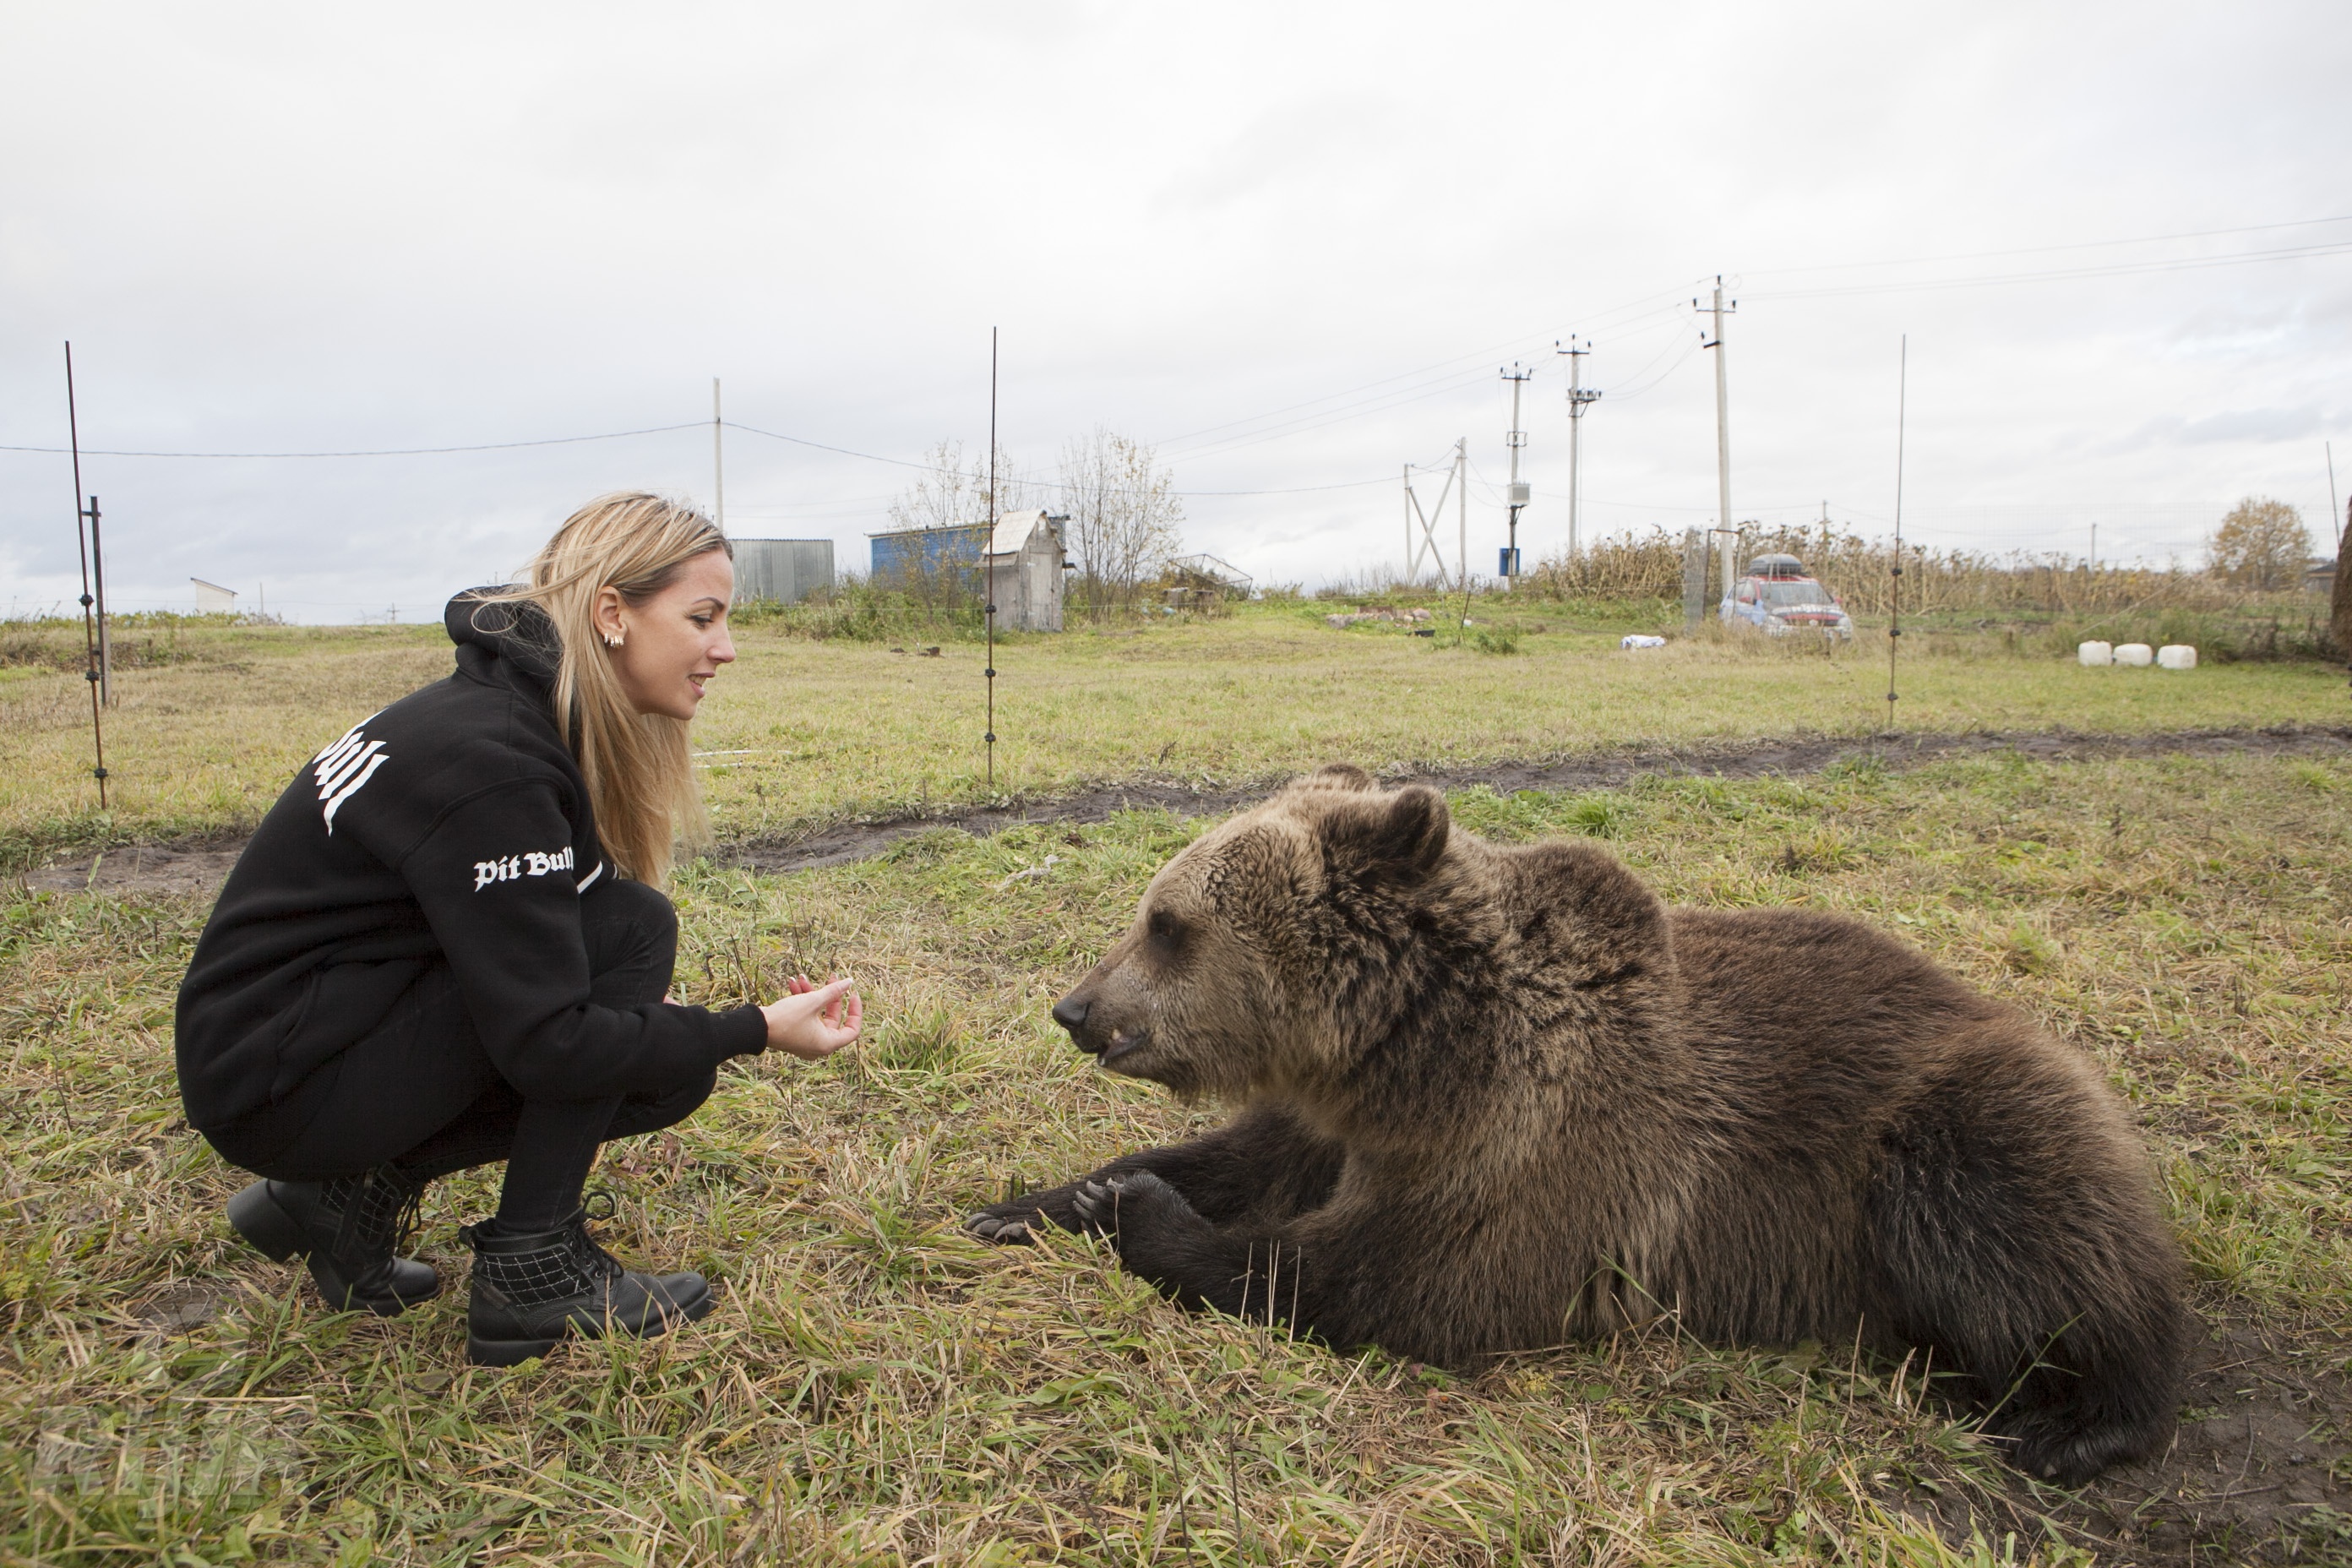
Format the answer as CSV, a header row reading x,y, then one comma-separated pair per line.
x,y
2262,544
950,493
1123,516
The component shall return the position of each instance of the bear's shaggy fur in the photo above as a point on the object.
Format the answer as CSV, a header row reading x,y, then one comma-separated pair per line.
x,y
1492,1099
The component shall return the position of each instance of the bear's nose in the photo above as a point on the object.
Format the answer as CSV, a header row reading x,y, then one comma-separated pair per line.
x,y
1070,1012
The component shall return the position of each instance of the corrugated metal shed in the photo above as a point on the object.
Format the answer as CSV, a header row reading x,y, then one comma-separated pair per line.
x,y
785,571
922,551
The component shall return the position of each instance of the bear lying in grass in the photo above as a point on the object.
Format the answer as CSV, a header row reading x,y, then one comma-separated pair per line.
x,y
1492,1099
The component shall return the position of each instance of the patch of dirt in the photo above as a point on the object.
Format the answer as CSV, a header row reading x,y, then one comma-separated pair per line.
x,y
199,865
189,866
2260,1470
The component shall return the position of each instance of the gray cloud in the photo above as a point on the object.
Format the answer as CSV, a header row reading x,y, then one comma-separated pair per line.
x,y
1302,239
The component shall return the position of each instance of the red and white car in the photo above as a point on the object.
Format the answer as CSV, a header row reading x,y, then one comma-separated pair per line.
x,y
1779,597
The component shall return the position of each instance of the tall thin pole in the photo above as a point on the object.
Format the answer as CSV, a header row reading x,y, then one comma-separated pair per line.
x,y
1894,592
1516,496
718,458
1579,397
2334,512
1412,556
81,545
1462,517
98,582
988,560
1723,438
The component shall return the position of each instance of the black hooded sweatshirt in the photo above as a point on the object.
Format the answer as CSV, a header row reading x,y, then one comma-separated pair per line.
x,y
453,826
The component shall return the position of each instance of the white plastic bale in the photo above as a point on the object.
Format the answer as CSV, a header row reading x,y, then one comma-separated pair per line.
x,y
2138,655
2176,655
2096,653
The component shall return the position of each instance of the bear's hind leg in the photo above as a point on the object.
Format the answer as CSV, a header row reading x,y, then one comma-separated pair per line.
x,y
2015,1236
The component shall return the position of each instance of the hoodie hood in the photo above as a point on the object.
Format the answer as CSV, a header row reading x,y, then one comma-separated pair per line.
x,y
516,632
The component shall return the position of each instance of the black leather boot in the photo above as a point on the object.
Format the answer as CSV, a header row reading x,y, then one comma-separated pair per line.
x,y
531,1290
351,1229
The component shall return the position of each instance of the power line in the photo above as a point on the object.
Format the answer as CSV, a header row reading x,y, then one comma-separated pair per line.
x,y
2118,269
2047,249
386,452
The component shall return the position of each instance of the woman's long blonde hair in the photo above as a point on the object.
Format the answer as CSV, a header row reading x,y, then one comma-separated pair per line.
x,y
640,775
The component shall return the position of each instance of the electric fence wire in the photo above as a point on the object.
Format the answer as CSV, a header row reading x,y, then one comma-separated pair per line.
x,y
395,451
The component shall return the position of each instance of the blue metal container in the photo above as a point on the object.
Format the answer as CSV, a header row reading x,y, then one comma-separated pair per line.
x,y
928,551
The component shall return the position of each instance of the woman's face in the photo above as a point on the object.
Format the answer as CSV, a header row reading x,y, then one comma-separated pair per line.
x,y
673,642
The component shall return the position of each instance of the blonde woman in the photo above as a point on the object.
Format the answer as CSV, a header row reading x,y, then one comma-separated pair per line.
x,y
447,946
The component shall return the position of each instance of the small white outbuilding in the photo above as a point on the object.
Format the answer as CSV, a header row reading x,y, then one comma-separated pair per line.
x,y
1022,570
211,599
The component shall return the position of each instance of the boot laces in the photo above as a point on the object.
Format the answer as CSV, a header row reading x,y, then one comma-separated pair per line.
x,y
592,1260
379,1211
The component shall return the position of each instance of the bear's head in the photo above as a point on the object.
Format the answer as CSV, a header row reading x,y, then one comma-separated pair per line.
x,y
1267,947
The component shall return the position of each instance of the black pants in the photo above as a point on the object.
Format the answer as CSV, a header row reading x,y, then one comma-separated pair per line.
x,y
419,1092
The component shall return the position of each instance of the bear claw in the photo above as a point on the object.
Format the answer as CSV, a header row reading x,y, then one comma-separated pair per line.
x,y
1002,1229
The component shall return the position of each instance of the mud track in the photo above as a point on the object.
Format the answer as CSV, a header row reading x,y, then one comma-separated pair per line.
x,y
2259,1470
199,865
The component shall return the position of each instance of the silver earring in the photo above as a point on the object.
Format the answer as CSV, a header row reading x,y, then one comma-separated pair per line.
x,y
612,640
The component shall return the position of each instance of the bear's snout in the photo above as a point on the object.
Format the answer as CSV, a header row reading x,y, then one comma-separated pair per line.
x,y
1070,1012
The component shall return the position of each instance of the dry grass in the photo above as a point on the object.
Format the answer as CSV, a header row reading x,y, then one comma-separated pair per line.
x,y
800,732
2058,598
876,1389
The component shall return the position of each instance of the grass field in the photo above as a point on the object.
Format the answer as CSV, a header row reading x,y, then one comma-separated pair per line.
x,y
800,731
876,1389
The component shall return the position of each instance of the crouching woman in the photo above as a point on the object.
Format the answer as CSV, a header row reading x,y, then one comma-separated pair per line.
x,y
446,947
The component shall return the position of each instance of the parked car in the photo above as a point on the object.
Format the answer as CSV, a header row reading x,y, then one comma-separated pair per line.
x,y
1778,596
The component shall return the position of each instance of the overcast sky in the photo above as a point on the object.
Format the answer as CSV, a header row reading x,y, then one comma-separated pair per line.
x,y
1292,246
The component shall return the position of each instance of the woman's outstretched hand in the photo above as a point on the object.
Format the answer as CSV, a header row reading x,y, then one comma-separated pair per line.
x,y
815,1021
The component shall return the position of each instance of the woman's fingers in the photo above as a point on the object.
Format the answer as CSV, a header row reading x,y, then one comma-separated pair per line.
x,y
816,1021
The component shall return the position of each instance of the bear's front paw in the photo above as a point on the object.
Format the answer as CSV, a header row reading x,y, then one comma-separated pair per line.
x,y
1006,1230
1131,1207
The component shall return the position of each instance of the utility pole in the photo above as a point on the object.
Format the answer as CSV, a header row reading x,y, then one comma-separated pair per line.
x,y
1579,397
1461,514
1723,435
718,458
1457,477
1516,496
1411,551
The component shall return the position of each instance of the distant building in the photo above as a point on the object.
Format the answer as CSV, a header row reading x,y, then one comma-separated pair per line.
x,y
781,571
1025,568
211,599
2319,577
908,553
1020,560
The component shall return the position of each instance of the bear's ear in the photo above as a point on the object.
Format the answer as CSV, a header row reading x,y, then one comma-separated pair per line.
x,y
1340,775
1403,835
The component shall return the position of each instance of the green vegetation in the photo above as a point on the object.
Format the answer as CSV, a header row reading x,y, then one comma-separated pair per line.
x,y
876,1389
802,731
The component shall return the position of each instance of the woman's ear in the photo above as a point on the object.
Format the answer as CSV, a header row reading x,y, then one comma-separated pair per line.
x,y
607,617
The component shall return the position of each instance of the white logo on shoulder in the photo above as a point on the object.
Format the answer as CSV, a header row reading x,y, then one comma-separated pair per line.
x,y
343,768
530,863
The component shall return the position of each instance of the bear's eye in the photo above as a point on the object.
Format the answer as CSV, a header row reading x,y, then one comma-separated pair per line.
x,y
1164,928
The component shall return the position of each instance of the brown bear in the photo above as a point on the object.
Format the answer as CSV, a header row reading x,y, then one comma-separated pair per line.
x,y
1495,1098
